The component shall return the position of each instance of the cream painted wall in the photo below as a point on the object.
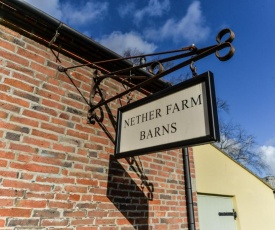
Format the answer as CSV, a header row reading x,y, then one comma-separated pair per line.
x,y
218,174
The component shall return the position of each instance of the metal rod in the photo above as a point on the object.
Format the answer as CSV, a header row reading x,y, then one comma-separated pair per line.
x,y
137,56
188,190
203,54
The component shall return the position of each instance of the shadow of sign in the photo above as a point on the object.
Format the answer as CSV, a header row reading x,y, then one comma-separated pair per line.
x,y
126,195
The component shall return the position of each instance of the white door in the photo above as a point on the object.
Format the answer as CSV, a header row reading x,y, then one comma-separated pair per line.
x,y
216,213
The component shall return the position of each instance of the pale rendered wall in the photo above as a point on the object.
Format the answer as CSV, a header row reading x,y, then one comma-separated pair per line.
x,y
217,174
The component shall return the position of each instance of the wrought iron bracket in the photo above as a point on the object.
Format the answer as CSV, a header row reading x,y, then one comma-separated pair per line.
x,y
156,68
56,35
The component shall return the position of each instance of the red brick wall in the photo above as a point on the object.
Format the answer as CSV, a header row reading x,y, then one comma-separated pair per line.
x,y
57,171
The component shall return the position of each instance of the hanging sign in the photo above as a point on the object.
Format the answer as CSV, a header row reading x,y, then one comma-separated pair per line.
x,y
179,116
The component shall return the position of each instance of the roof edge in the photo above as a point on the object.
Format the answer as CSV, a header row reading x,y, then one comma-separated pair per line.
x,y
51,24
244,167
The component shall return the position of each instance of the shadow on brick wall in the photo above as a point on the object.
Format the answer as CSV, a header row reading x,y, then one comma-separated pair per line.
x,y
126,195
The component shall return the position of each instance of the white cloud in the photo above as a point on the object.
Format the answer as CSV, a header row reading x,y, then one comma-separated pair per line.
x,y
82,14
120,42
154,8
268,155
72,14
51,7
191,27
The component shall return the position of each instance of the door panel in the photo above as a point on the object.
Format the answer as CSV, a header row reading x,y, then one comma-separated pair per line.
x,y
216,213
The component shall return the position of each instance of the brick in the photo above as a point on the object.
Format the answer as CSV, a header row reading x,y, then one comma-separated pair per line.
x,y
80,174
53,128
55,180
30,55
3,115
70,141
12,136
85,128
74,214
61,196
105,221
14,58
43,69
18,42
84,222
7,45
100,198
11,192
26,185
64,148
45,135
81,77
3,163
53,222
75,189
51,161
101,140
26,176
65,79
5,72
27,96
53,154
48,94
10,126
77,158
19,84
10,107
9,174
23,148
53,104
31,203
90,182
14,100
54,89
60,204
6,202
48,213
64,116
26,78
87,228
35,115
74,197
55,82
38,50
15,212
45,110
37,142
5,88
2,223
35,167
74,133
74,111
23,222
47,196
73,103
24,120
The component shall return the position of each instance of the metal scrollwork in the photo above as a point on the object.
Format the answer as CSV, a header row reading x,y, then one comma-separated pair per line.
x,y
226,43
192,51
155,65
92,116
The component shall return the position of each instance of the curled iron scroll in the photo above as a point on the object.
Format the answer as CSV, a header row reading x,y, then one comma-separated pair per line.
x,y
154,65
225,44
96,90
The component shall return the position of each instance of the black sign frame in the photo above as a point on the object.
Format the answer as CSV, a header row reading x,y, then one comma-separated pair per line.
x,y
214,134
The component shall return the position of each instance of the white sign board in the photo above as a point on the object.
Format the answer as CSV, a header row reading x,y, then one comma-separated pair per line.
x,y
180,116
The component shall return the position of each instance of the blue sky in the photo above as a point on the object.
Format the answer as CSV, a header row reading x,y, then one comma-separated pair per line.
x,y
246,82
